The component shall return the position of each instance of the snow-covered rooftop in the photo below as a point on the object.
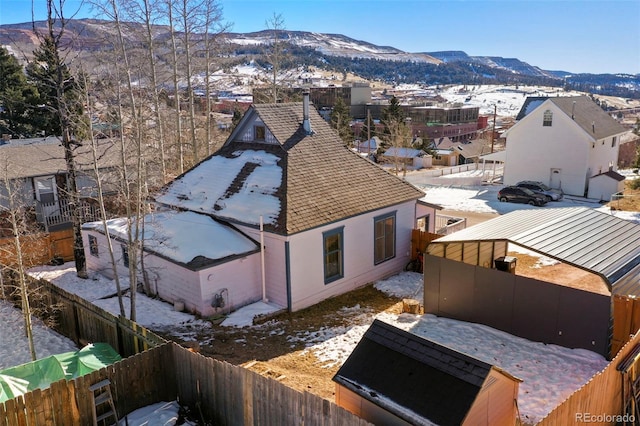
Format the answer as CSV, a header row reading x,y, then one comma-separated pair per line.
x,y
183,236
203,188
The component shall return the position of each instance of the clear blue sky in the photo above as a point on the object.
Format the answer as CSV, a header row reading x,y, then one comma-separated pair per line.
x,y
597,36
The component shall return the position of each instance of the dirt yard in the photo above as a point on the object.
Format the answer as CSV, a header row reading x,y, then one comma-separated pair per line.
x,y
271,349
630,201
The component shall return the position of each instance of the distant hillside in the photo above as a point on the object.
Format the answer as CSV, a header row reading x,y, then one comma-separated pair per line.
x,y
341,54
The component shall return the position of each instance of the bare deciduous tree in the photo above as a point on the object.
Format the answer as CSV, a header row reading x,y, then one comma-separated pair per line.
x,y
274,55
15,215
60,90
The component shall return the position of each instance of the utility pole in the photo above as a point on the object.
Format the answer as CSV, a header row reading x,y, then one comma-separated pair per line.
x,y
493,131
368,133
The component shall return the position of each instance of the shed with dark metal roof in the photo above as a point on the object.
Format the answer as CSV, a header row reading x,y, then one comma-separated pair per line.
x,y
397,377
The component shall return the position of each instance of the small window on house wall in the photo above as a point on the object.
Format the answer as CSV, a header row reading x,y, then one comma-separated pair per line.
x,y
384,231
260,133
547,118
125,255
93,246
423,223
333,255
613,141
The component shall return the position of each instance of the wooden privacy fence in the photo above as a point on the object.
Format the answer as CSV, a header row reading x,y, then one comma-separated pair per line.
x,y
38,249
626,320
84,322
600,396
420,240
217,392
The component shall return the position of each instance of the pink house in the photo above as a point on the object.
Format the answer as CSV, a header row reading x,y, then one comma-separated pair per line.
x,y
330,221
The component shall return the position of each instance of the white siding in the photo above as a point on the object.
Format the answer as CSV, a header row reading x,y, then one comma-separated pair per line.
x,y
306,256
533,150
171,282
422,210
275,265
238,281
602,156
603,187
102,263
242,278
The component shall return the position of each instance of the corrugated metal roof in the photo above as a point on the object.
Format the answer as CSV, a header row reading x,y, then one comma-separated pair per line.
x,y
580,236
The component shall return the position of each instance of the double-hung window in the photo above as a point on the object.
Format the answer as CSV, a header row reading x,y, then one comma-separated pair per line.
x,y
260,133
547,118
333,250
384,231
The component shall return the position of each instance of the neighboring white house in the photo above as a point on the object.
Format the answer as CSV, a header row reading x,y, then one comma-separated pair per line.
x,y
331,220
564,142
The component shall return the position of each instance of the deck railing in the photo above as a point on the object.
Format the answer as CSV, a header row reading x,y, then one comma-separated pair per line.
x,y
446,225
61,212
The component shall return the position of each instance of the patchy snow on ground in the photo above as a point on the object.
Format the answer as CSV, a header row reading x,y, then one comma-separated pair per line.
x,y
161,413
244,317
14,344
550,373
484,199
151,313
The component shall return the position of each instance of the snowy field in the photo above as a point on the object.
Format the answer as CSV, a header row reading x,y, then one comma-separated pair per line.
x,y
550,373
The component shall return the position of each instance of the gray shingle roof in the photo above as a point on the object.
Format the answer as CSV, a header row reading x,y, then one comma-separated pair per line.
x,y
322,180
586,113
19,160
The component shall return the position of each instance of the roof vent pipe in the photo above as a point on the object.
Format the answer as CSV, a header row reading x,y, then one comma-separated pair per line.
x,y
306,122
593,126
573,111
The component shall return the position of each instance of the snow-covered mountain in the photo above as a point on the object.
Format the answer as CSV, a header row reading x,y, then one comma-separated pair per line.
x,y
338,53
332,45
511,64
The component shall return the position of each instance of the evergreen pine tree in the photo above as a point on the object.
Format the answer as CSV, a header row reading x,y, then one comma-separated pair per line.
x,y
57,91
341,121
17,98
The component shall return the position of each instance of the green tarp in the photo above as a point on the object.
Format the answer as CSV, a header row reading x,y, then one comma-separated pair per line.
x,y
41,373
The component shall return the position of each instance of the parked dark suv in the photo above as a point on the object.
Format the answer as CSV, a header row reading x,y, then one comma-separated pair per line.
x,y
541,188
515,194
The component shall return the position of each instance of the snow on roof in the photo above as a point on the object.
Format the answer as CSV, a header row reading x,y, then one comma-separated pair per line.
x,y
444,151
402,152
204,188
183,236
